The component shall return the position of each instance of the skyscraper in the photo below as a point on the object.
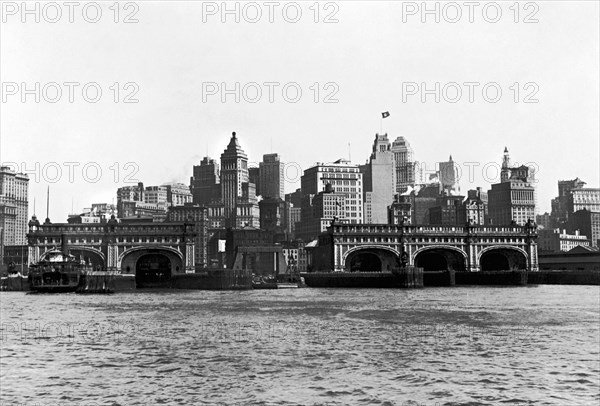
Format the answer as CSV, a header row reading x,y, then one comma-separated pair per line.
x,y
379,181
405,166
238,194
448,177
234,172
514,198
14,206
271,177
205,183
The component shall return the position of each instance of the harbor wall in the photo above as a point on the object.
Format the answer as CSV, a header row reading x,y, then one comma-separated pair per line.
x,y
214,279
518,278
400,278
561,277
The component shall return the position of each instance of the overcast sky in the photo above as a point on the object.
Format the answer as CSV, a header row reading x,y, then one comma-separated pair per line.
x,y
368,58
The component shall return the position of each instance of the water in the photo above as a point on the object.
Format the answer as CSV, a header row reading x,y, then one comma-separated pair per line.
x,y
435,346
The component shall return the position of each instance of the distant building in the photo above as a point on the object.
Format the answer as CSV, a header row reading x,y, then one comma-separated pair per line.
x,y
156,195
238,194
197,214
131,209
205,184
344,178
448,177
150,201
405,165
544,220
98,213
271,177
559,240
449,211
272,214
514,198
559,204
247,211
423,199
379,181
588,222
475,207
318,211
178,194
254,177
400,210
14,206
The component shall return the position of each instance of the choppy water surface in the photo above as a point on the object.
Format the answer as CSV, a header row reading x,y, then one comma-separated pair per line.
x,y
437,346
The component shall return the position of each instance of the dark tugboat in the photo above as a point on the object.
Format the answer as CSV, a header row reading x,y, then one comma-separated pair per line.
x,y
59,272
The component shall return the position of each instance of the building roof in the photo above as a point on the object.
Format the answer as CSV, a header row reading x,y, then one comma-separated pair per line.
x,y
580,249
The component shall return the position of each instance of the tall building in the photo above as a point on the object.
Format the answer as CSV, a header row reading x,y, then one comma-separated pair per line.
x,y
234,172
344,178
247,211
514,198
405,165
588,222
379,181
14,206
205,184
573,197
448,177
271,177
254,177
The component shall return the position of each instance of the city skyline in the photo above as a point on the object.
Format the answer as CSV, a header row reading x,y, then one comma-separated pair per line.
x,y
465,171
172,128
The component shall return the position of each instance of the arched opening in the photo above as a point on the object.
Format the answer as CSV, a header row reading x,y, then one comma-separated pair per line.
x,y
440,259
371,260
365,262
502,259
152,270
88,256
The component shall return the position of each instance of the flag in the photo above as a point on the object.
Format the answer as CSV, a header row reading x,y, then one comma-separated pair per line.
x,y
385,114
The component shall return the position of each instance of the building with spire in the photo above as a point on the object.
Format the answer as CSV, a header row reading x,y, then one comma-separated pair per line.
x,y
448,177
238,194
513,200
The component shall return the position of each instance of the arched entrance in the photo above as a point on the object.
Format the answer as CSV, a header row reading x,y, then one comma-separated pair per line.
x,y
440,259
370,260
502,259
88,256
152,270
152,267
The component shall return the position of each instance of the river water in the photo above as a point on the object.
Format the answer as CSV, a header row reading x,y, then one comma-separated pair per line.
x,y
434,346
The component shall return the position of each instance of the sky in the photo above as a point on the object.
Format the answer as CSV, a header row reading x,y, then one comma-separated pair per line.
x,y
143,90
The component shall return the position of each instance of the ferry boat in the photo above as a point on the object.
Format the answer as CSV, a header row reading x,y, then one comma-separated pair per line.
x,y
57,273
